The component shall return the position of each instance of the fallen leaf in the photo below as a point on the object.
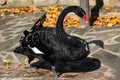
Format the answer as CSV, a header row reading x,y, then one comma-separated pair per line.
x,y
109,24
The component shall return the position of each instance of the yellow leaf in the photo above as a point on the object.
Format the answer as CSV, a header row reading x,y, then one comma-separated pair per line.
x,y
26,59
107,7
109,25
7,61
114,20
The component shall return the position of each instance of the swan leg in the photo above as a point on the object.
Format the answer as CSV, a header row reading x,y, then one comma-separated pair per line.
x,y
54,73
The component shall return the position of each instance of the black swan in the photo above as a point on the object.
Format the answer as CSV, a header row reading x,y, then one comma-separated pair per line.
x,y
55,45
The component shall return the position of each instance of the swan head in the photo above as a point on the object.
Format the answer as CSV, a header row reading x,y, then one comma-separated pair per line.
x,y
81,13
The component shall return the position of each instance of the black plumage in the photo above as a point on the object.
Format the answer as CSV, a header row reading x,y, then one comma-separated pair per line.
x,y
56,44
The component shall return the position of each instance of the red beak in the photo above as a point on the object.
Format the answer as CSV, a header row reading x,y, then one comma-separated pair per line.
x,y
85,19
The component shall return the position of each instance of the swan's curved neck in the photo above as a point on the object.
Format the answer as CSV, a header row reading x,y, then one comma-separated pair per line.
x,y
59,24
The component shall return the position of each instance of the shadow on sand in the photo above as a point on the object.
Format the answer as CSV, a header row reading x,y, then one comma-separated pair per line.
x,y
84,65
